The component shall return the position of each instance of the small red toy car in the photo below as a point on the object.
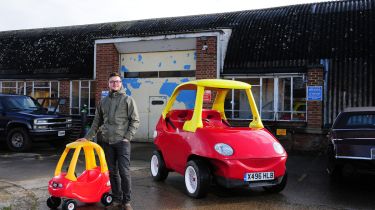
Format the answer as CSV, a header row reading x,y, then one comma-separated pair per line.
x,y
91,186
201,145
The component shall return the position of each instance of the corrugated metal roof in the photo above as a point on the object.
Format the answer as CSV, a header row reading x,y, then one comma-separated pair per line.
x,y
280,37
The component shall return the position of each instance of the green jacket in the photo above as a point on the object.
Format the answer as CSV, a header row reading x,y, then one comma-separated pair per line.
x,y
116,117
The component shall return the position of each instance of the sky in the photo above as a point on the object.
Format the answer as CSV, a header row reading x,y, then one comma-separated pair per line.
x,y
27,14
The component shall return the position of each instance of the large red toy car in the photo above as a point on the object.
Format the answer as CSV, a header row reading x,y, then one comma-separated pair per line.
x,y
201,145
91,186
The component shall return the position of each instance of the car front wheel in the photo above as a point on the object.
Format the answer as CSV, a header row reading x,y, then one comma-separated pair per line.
x,y
53,202
157,166
197,178
18,140
106,199
69,205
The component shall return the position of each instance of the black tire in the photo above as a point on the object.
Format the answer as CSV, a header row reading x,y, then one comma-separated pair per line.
x,y
106,199
157,167
336,174
334,170
53,202
18,140
69,205
279,187
197,178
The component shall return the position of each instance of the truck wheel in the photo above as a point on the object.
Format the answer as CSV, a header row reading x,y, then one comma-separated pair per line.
x,y
197,178
279,187
157,167
69,205
18,140
53,202
106,199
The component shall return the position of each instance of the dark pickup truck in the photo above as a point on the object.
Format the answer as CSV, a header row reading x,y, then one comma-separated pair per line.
x,y
24,121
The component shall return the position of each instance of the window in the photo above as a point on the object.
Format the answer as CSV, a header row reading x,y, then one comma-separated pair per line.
x,y
82,94
35,89
280,98
355,120
12,87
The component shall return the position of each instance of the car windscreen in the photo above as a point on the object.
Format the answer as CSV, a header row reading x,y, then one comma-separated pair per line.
x,y
20,103
355,120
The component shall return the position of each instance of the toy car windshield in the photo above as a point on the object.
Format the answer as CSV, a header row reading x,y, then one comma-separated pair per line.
x,y
222,88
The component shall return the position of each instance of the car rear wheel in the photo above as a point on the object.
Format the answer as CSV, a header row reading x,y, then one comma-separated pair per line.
x,y
18,140
197,178
157,166
279,187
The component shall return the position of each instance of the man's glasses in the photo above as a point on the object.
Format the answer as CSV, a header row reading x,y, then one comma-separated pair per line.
x,y
115,81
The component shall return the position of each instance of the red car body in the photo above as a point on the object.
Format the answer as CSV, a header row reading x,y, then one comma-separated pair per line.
x,y
88,188
91,186
255,151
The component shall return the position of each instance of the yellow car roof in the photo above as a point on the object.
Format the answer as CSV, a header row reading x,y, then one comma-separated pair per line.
x,y
215,83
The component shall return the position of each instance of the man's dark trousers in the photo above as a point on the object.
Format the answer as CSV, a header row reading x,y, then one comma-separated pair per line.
x,y
118,159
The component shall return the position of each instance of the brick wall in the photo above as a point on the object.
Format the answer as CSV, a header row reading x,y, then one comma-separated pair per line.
x,y
206,59
107,61
65,93
206,67
315,108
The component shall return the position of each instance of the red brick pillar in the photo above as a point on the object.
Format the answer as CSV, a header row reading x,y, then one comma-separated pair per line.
x,y
206,58
65,93
107,61
206,67
315,108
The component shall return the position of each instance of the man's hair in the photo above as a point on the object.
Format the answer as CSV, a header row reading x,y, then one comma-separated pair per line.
x,y
114,74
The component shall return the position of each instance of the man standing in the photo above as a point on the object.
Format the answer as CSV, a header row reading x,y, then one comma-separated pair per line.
x,y
117,118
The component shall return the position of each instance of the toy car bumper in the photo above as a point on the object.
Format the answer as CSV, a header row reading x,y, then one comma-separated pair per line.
x,y
231,173
234,183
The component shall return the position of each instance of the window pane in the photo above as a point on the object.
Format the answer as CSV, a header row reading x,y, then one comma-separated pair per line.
x,y
85,84
92,98
41,84
9,88
299,99
255,88
40,93
244,106
54,89
229,113
84,97
75,94
284,94
241,108
267,109
29,88
20,89
9,84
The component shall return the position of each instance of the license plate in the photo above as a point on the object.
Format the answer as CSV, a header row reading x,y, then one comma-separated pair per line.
x,y
259,176
61,133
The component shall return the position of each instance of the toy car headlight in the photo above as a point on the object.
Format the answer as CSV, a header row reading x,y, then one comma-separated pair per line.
x,y
278,148
57,185
224,149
